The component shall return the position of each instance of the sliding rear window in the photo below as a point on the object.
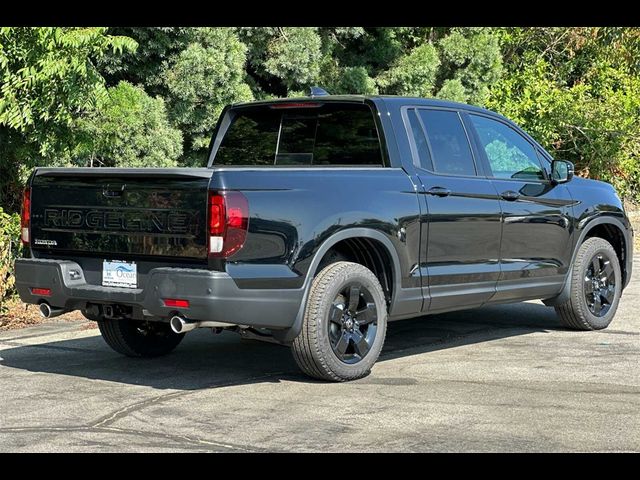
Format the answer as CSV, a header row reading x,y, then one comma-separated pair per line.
x,y
330,134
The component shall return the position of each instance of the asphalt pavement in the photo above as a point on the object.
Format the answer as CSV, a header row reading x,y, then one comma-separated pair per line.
x,y
501,378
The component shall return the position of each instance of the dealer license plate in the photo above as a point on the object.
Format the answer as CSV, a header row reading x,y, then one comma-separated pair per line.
x,y
119,274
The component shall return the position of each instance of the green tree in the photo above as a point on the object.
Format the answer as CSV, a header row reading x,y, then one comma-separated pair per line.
x,y
48,78
145,66
128,129
456,64
204,77
412,74
577,91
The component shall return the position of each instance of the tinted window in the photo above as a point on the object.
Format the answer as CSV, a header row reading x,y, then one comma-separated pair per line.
x,y
331,134
450,151
510,155
420,141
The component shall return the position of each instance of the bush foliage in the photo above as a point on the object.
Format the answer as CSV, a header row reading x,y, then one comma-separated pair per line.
x,y
10,248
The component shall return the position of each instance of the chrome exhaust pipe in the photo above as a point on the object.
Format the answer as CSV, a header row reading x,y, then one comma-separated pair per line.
x,y
180,325
47,311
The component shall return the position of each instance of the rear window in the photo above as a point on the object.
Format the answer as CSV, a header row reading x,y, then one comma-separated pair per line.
x,y
327,134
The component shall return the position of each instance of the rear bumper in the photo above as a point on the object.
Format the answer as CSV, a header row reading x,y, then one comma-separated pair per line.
x,y
212,295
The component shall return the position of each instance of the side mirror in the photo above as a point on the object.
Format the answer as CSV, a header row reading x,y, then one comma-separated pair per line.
x,y
561,171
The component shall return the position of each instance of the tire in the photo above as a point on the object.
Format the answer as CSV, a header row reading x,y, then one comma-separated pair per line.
x,y
581,311
135,338
329,324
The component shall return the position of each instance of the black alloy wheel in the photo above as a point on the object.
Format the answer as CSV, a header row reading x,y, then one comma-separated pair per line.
x,y
353,323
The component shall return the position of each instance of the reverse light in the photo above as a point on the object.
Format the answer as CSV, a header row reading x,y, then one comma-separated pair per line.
x,y
25,216
41,292
176,303
228,222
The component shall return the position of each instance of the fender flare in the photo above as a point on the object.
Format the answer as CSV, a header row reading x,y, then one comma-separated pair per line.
x,y
287,336
587,225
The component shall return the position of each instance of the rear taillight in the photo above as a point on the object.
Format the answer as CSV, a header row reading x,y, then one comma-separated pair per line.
x,y
228,222
25,218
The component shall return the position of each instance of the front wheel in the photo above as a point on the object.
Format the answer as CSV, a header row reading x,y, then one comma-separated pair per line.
x,y
136,338
596,286
344,324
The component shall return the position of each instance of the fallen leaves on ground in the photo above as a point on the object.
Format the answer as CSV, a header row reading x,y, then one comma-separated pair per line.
x,y
20,315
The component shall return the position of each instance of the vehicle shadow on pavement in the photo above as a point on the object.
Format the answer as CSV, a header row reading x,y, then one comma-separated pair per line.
x,y
204,360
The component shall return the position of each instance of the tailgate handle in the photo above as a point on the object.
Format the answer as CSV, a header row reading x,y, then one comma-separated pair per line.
x,y
112,191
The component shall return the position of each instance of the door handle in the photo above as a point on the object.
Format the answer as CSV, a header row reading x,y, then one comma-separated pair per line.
x,y
510,195
439,191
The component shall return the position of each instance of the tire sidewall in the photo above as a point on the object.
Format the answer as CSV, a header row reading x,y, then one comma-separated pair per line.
x,y
355,274
580,304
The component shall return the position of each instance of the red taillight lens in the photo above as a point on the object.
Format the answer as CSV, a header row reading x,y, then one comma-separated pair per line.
x,y
176,303
228,222
25,217
42,292
216,214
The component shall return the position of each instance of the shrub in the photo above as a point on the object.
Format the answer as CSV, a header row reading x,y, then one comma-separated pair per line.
x,y
10,249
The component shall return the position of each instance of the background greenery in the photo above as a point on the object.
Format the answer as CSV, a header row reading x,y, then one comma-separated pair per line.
x,y
151,96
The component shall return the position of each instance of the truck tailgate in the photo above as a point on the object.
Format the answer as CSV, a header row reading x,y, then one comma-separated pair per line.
x,y
154,212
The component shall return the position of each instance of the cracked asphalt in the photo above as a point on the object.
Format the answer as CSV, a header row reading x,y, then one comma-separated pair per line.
x,y
501,378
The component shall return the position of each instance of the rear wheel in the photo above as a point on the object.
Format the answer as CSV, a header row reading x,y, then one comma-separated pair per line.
x,y
136,338
344,325
595,287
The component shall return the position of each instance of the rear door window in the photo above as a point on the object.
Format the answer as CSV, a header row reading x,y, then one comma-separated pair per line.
x,y
448,142
330,134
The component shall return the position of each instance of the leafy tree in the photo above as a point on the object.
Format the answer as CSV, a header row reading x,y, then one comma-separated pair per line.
x,y
459,64
412,74
145,66
471,63
204,77
575,92
128,129
48,78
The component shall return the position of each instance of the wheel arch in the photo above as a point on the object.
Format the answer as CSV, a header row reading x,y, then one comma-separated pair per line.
x,y
335,239
594,227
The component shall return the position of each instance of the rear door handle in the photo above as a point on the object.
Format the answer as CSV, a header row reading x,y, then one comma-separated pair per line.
x,y
439,191
510,195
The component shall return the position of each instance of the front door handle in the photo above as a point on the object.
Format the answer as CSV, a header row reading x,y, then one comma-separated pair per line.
x,y
510,195
439,191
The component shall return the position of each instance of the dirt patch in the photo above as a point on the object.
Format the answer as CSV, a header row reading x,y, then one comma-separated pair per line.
x,y
21,315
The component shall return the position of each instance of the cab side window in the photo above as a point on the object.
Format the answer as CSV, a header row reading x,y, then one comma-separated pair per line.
x,y
441,142
450,150
510,155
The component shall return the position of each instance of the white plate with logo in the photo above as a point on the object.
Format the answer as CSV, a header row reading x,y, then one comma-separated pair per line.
x,y
119,274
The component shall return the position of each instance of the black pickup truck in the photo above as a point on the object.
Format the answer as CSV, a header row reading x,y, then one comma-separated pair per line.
x,y
317,221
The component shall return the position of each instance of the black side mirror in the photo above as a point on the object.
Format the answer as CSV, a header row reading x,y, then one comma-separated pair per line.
x,y
561,171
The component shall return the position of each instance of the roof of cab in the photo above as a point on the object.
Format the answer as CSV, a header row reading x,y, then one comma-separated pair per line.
x,y
394,100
